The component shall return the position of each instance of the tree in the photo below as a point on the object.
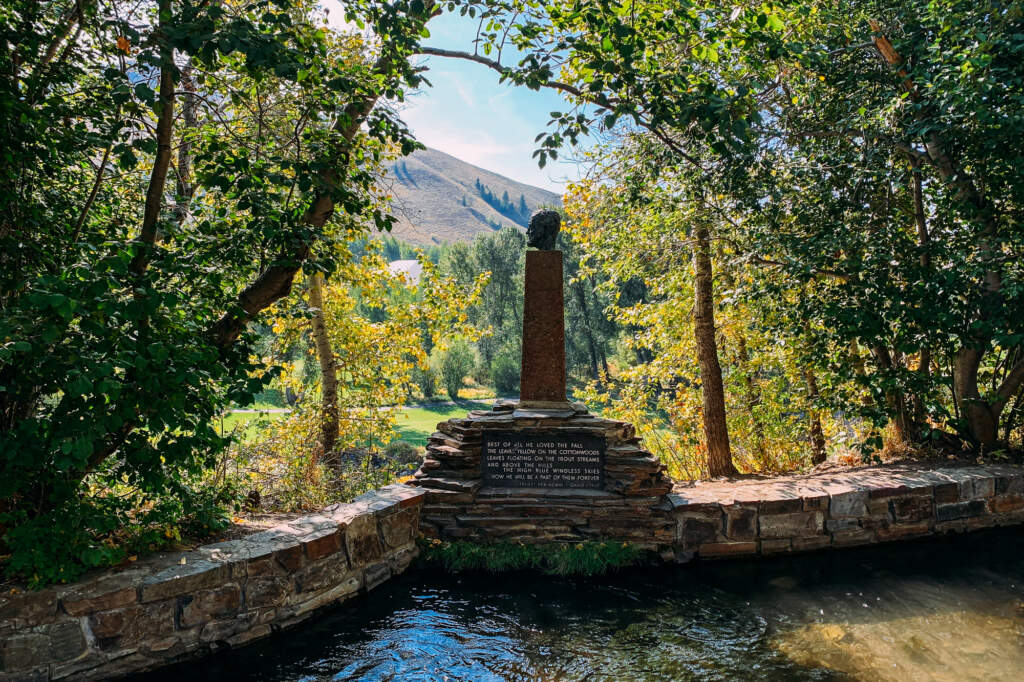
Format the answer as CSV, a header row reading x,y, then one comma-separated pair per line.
x,y
863,114
125,297
453,364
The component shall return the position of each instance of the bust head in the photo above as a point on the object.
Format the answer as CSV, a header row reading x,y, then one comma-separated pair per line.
x,y
543,229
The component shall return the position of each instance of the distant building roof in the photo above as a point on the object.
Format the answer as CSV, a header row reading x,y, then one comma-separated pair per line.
x,y
412,269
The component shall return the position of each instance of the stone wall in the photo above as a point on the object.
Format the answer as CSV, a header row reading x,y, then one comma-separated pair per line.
x,y
175,606
843,509
630,508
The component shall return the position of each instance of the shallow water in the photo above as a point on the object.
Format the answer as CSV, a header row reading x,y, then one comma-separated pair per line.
x,y
949,609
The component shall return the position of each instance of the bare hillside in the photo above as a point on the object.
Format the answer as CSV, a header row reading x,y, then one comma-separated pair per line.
x,y
439,198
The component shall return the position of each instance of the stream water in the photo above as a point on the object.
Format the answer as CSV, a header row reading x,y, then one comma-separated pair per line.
x,y
943,609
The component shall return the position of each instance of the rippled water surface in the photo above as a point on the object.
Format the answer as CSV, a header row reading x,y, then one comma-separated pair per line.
x,y
944,609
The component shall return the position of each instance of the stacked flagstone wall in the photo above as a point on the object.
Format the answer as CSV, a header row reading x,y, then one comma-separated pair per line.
x,y
842,509
181,605
630,507
177,606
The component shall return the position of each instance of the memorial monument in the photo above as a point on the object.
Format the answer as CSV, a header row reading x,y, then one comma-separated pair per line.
x,y
543,469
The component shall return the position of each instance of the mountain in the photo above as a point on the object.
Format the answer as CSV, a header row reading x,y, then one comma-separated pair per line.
x,y
438,198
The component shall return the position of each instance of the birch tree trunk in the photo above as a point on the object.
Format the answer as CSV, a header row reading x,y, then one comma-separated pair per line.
x,y
328,369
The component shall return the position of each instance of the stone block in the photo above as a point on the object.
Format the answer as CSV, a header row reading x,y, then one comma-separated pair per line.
x,y
399,528
904,531
29,608
791,525
721,549
977,487
178,579
1009,483
880,507
815,499
266,591
832,525
697,530
133,624
24,651
959,510
362,541
290,555
946,493
777,500
1009,502
847,501
811,543
852,537
740,522
954,526
375,574
322,543
319,575
208,605
399,559
776,546
224,629
912,509
108,592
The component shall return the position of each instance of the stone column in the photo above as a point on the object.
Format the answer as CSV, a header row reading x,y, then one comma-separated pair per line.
x,y
542,384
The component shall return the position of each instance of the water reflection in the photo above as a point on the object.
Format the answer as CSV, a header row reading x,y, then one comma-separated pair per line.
x,y
949,609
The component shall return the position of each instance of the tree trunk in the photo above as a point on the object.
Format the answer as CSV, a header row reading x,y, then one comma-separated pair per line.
x,y
816,433
328,370
980,421
186,189
162,161
716,432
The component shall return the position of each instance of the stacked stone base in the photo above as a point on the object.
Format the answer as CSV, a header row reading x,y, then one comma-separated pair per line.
x,y
631,507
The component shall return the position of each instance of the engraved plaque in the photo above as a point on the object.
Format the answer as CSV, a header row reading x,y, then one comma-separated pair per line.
x,y
512,459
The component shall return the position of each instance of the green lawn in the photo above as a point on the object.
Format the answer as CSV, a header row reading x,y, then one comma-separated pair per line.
x,y
415,424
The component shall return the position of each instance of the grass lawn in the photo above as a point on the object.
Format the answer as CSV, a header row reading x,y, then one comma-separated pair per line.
x,y
415,424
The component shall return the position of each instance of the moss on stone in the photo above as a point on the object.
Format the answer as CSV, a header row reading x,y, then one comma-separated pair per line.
x,y
583,558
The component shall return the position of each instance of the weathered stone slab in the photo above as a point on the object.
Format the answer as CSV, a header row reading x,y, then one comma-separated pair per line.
x,y
959,510
107,592
207,605
362,541
180,578
797,524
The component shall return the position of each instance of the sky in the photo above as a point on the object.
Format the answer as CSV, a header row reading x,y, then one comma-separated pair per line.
x,y
467,114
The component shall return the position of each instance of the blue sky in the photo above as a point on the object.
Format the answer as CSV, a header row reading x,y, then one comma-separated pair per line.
x,y
467,114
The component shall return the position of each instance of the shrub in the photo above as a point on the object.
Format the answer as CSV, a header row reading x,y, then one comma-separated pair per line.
x,y
505,371
453,365
108,527
426,380
402,451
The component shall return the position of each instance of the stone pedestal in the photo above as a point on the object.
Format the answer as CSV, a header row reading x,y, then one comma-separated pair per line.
x,y
542,385
630,505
